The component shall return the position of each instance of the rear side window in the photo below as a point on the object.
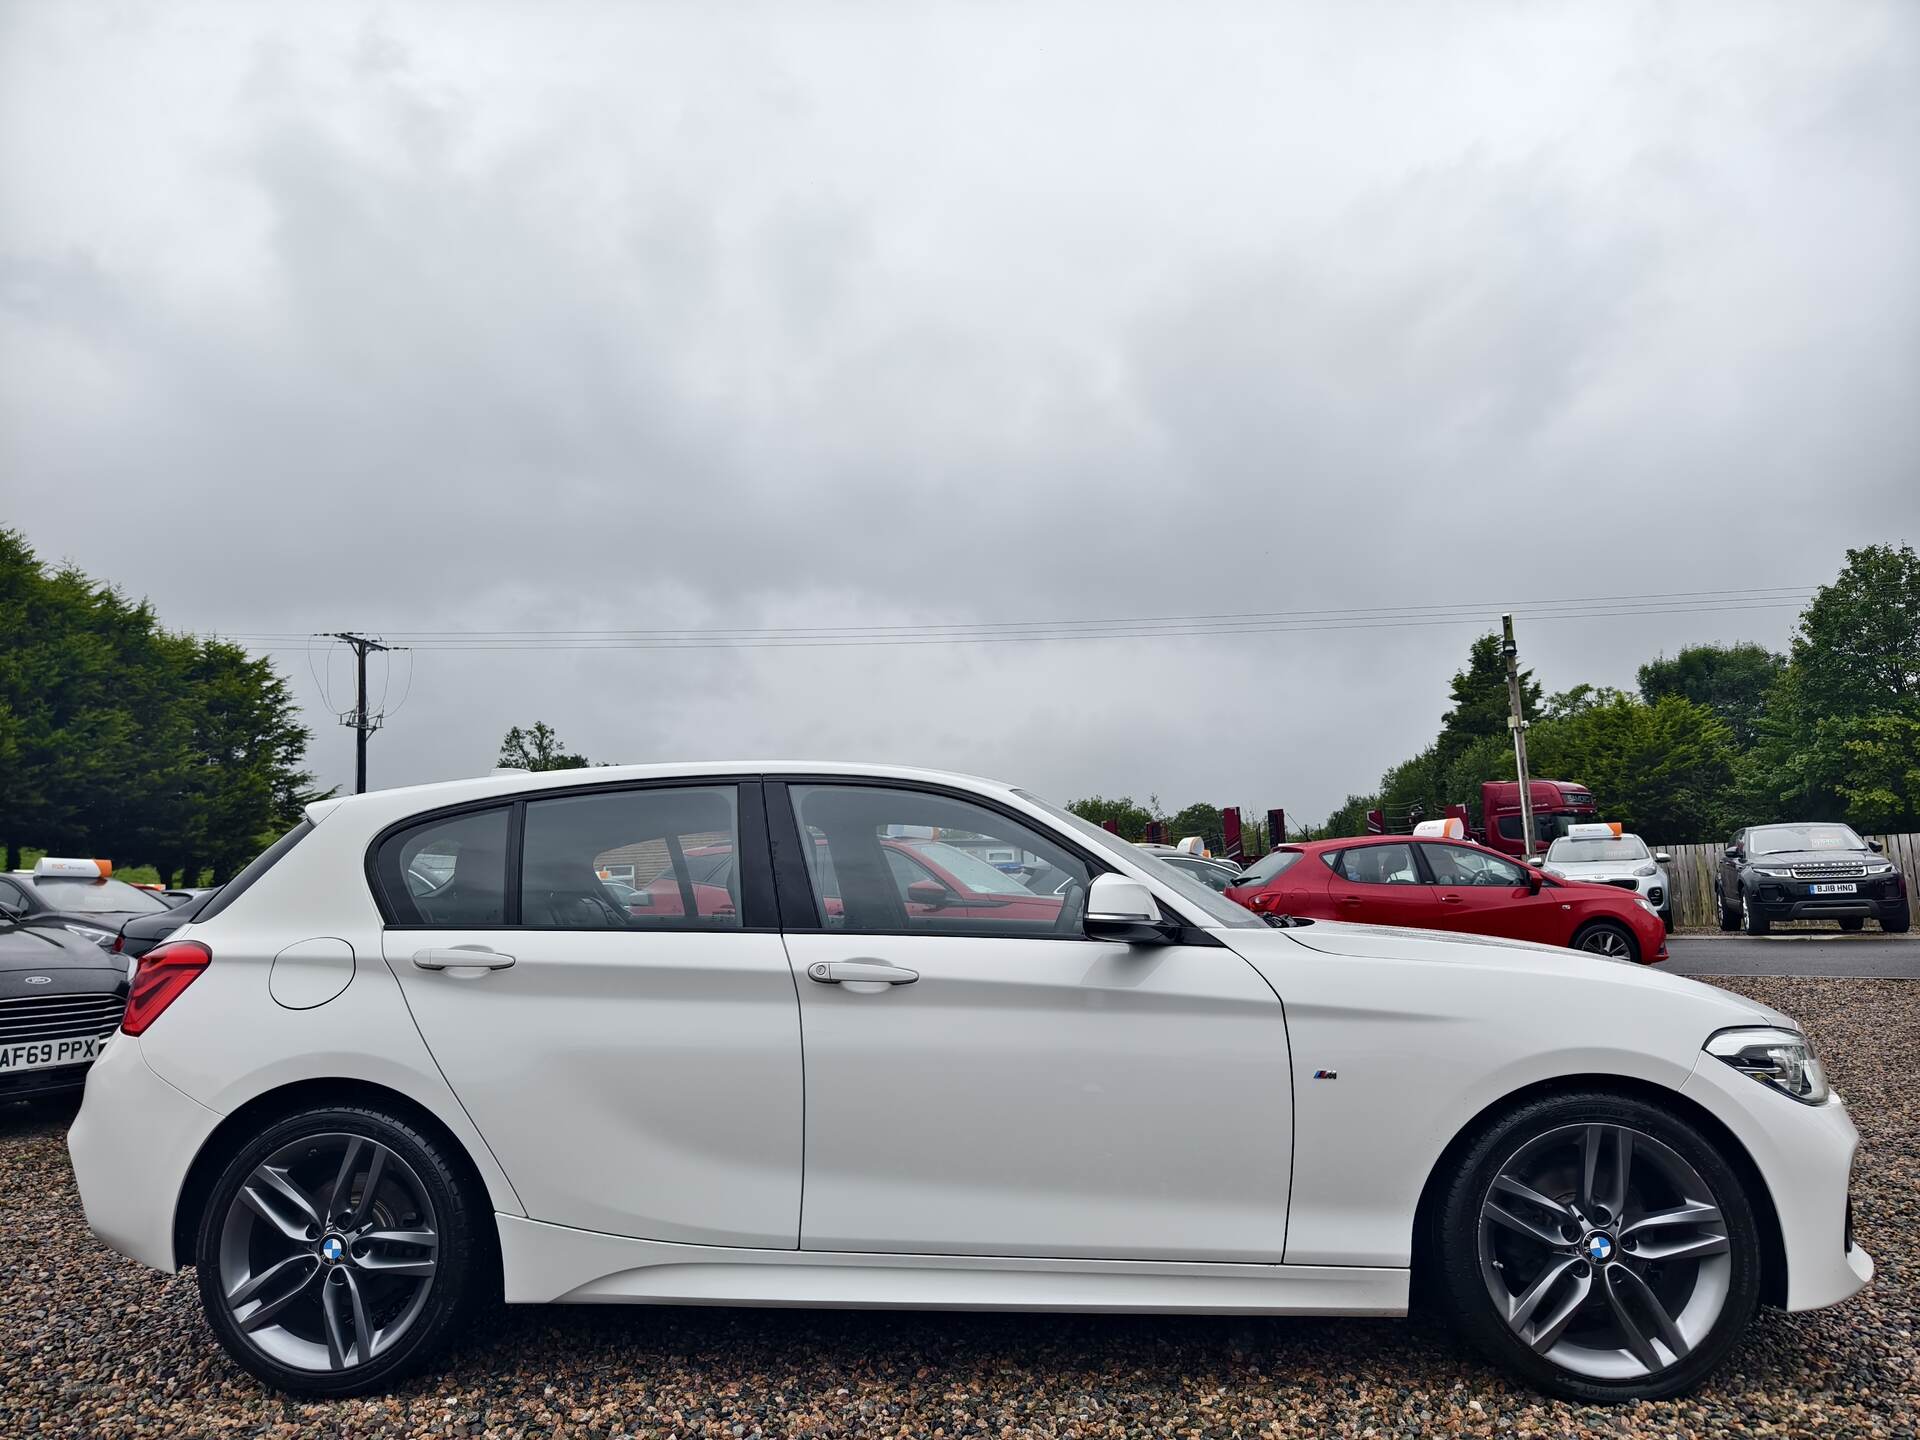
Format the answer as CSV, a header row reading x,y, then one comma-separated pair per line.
x,y
632,860
450,871
1273,863
258,866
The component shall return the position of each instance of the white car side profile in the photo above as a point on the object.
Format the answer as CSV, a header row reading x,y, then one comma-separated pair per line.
x,y
813,1048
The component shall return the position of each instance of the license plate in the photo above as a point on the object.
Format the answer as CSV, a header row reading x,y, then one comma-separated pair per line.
x,y
45,1054
1847,888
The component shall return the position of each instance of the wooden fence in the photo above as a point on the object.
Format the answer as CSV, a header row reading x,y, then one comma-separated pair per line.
x,y
1694,868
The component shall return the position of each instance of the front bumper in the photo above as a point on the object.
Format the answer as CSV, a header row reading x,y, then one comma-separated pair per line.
x,y
1805,1156
1875,898
131,1145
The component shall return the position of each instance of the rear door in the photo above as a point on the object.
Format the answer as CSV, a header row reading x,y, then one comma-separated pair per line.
x,y
635,1072
1381,885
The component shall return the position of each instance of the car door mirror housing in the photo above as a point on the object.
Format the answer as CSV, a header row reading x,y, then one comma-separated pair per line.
x,y
1875,846
1534,881
1123,909
1734,852
1661,857
930,893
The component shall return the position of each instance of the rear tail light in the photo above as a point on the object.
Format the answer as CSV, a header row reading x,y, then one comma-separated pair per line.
x,y
165,972
119,944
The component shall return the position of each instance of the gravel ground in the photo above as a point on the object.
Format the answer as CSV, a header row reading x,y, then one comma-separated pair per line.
x,y
94,1346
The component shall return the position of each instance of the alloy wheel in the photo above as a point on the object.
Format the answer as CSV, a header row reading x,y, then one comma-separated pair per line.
x,y
1605,941
328,1251
1604,1251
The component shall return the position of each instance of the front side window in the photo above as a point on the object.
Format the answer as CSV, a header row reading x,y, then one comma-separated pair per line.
x,y
1457,865
450,871
1380,865
884,860
672,849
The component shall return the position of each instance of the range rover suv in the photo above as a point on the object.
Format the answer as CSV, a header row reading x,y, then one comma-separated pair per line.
x,y
1809,872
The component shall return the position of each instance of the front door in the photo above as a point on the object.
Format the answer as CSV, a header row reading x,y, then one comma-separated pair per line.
x,y
634,1068
985,1080
1487,895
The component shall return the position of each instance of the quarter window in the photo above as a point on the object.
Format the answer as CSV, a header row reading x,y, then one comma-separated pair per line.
x,y
632,860
895,861
450,871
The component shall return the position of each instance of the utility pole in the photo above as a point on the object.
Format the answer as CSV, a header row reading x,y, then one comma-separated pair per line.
x,y
357,719
1517,723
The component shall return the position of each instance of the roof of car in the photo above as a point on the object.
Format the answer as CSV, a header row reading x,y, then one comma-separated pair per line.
x,y
451,792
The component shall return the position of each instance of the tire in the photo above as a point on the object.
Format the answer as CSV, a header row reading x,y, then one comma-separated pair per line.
x,y
1609,938
1852,923
350,1273
1897,922
1729,919
1707,1300
1752,920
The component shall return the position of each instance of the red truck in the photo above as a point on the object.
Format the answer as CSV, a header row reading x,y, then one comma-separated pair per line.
x,y
1556,805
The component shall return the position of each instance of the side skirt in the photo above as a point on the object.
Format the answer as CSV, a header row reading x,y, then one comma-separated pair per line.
x,y
547,1264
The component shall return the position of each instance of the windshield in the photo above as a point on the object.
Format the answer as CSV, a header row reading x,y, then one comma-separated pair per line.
x,y
1586,852
1211,904
1773,839
969,869
97,897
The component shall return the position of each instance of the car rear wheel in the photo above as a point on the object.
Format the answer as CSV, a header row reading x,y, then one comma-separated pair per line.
x,y
1599,1247
1754,922
1604,937
338,1251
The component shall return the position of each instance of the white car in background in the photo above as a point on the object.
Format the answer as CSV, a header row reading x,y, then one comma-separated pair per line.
x,y
1603,854
417,1057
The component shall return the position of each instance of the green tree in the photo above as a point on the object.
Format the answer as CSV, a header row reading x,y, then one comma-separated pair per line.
x,y
1203,820
1127,815
1480,700
1663,770
1731,680
1857,648
537,748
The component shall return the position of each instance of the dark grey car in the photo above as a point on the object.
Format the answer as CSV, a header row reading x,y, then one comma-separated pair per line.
x,y
61,997
1808,871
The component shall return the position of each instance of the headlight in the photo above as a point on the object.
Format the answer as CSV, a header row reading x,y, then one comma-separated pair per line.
x,y
1641,901
1646,870
1773,872
1780,1058
93,933
1885,867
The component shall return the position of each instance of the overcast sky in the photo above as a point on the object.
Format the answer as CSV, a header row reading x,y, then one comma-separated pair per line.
x,y
465,317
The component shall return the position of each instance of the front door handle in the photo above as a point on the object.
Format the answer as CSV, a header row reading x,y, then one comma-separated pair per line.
x,y
461,957
1449,899
874,972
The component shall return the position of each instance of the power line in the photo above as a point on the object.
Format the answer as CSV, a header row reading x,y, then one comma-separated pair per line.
x,y
1215,622
362,722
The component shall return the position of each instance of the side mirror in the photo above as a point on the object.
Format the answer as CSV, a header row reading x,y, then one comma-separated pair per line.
x,y
930,893
1875,846
1661,857
1124,910
1534,881
1734,852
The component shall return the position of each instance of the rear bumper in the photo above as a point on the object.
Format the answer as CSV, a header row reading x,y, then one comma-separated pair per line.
x,y
132,1144
1805,1155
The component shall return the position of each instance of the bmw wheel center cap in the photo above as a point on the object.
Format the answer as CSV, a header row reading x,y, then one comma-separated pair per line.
x,y
1599,1248
333,1249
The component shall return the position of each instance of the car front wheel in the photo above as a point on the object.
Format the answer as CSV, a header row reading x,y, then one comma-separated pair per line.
x,y
338,1251
1599,1247
1603,937
1754,922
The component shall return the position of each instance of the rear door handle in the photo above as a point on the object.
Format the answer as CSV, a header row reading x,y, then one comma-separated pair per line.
x,y
461,957
874,972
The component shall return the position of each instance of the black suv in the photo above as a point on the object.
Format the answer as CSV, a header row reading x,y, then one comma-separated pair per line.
x,y
1808,872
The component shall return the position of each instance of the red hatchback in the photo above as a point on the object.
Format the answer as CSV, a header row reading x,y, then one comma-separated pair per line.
x,y
1448,885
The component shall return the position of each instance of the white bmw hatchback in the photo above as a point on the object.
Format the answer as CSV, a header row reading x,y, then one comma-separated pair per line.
x,y
783,1035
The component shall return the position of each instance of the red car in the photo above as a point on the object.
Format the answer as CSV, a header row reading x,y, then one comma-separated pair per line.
x,y
1448,885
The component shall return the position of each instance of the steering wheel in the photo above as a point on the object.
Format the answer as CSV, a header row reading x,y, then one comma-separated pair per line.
x,y
1073,909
